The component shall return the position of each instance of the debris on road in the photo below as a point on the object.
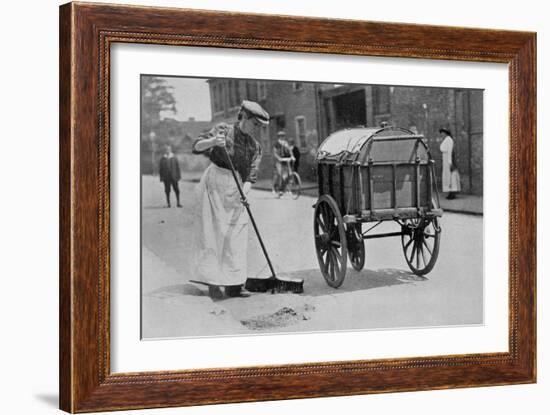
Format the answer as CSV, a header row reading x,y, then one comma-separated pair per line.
x,y
283,317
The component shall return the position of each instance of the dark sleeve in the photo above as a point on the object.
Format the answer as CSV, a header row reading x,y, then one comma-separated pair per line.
x,y
162,169
254,165
178,171
209,134
201,137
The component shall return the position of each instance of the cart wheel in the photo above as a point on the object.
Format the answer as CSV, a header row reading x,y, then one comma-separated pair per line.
x,y
356,246
294,185
420,240
330,241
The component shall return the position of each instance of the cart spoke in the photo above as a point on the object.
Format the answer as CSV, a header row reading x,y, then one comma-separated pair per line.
x,y
423,256
412,253
322,215
417,247
326,264
427,247
337,254
326,260
331,265
323,248
336,262
321,223
408,244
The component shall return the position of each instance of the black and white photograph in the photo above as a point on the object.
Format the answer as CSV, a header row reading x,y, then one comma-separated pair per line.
x,y
274,206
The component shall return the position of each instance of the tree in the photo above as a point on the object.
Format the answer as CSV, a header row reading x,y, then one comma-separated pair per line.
x,y
156,98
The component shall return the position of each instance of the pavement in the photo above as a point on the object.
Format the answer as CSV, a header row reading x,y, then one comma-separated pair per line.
x,y
385,294
468,204
464,203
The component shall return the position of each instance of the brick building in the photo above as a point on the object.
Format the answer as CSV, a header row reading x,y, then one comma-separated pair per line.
x,y
292,107
309,112
424,109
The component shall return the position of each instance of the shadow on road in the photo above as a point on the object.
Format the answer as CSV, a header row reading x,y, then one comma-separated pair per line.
x,y
315,284
176,290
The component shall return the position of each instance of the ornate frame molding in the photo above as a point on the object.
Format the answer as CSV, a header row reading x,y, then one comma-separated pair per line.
x,y
86,33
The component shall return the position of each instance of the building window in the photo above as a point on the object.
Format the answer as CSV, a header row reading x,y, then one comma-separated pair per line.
x,y
262,90
298,86
279,122
381,99
301,131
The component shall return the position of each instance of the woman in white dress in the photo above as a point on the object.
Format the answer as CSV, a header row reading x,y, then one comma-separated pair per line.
x,y
221,225
450,177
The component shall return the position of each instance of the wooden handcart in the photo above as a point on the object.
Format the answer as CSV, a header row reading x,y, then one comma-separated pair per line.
x,y
373,175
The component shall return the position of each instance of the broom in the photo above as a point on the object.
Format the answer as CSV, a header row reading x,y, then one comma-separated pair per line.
x,y
273,283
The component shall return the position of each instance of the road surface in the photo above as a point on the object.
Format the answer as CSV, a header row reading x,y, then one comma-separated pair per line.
x,y
385,294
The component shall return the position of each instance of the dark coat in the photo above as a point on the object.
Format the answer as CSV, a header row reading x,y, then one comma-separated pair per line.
x,y
296,153
169,169
245,152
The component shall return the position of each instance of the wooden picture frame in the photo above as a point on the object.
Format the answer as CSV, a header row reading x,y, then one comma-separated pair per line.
x,y
86,33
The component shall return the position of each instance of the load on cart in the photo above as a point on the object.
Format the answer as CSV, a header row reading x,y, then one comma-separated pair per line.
x,y
373,175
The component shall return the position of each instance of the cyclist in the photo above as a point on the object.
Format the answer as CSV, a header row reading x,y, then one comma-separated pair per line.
x,y
283,158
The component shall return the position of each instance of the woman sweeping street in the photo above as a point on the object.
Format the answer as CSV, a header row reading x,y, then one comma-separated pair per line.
x,y
221,222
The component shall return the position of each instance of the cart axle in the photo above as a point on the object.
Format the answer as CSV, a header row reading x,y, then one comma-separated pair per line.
x,y
382,235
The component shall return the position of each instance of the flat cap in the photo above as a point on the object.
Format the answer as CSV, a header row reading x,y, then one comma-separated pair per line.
x,y
255,110
281,133
445,131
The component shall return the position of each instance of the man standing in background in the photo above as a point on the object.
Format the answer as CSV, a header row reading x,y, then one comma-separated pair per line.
x,y
170,175
295,151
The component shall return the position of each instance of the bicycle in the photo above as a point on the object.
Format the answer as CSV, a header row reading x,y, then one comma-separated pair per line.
x,y
291,183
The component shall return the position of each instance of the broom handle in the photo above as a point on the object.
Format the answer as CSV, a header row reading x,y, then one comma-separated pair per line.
x,y
245,203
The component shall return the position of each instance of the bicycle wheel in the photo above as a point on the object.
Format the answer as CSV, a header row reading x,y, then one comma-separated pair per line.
x,y
294,185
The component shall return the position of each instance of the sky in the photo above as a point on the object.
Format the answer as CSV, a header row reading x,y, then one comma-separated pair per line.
x,y
192,98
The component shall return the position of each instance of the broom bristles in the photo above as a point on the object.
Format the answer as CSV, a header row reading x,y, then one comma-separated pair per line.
x,y
275,285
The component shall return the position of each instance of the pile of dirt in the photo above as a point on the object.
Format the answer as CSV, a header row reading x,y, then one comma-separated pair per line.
x,y
283,317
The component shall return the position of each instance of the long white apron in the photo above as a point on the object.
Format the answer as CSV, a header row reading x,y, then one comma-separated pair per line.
x,y
221,229
450,179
